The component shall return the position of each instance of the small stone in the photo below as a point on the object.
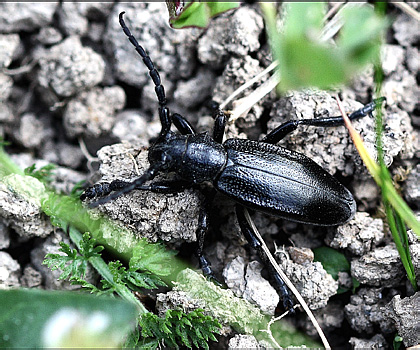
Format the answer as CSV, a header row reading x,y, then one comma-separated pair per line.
x,y
49,36
92,113
405,313
374,343
365,311
71,20
242,341
380,267
217,44
301,255
258,290
9,271
392,58
311,280
4,236
25,16
234,275
69,67
20,213
359,236
8,45
31,278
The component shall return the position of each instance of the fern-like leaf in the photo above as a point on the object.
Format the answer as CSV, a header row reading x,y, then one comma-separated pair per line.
x,y
44,174
143,280
134,279
70,264
179,329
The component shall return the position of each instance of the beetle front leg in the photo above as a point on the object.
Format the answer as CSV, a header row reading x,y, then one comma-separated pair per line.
x,y
255,243
167,187
104,188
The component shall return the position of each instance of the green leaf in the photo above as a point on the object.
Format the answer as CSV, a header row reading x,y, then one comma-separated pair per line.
x,y
195,14
397,342
88,247
362,28
323,69
304,19
218,7
44,174
307,61
73,264
70,264
332,261
37,318
143,280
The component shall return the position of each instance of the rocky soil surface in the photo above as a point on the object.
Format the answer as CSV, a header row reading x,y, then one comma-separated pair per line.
x,y
73,92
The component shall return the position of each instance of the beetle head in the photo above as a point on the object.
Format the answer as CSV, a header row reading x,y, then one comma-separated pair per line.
x,y
168,151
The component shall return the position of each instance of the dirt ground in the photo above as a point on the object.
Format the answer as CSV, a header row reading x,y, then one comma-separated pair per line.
x,y
74,93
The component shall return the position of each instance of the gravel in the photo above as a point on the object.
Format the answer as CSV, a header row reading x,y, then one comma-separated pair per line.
x,y
74,92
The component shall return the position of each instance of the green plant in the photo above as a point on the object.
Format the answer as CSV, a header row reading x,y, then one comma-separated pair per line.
x,y
184,14
305,59
177,327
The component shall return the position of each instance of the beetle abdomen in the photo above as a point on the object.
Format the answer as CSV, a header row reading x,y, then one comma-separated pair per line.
x,y
283,183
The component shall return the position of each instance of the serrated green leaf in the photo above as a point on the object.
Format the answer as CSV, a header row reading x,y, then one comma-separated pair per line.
x,y
44,174
180,328
73,264
144,280
182,333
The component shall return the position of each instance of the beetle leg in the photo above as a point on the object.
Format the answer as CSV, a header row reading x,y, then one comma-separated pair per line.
x,y
118,187
168,187
182,124
284,129
248,232
203,227
220,121
104,188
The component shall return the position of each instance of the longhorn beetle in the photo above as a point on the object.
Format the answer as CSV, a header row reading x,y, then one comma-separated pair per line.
x,y
255,174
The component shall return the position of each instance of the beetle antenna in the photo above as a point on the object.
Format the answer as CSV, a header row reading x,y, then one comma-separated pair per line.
x,y
148,175
154,74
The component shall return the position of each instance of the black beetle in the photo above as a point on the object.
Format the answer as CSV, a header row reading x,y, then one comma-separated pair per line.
x,y
255,174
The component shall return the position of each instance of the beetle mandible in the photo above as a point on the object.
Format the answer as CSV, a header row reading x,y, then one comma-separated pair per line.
x,y
255,174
